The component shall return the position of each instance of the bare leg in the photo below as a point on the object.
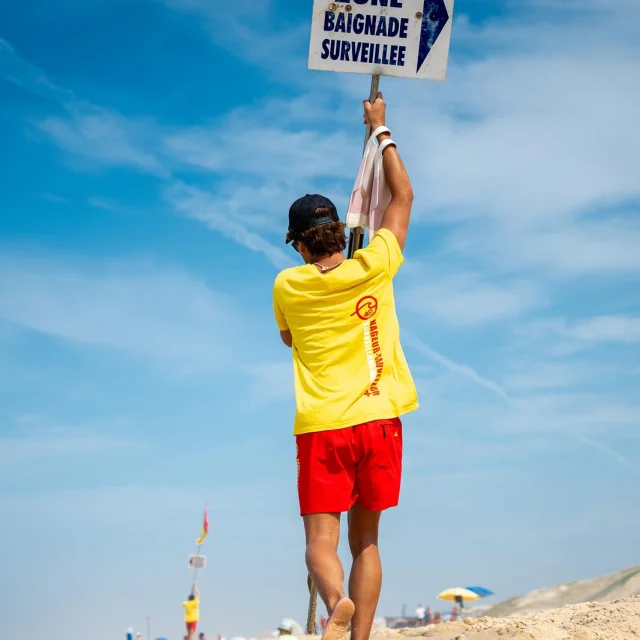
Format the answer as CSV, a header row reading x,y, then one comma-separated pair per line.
x,y
323,535
365,581
325,569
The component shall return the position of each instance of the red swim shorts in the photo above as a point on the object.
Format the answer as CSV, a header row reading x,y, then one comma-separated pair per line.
x,y
359,465
192,627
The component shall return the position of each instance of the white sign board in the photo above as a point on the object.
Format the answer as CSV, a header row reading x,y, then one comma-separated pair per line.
x,y
197,562
402,38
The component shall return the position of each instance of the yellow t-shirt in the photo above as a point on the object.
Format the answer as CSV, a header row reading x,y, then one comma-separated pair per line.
x,y
191,610
349,367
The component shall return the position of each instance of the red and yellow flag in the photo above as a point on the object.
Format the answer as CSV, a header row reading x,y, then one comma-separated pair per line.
x,y
205,527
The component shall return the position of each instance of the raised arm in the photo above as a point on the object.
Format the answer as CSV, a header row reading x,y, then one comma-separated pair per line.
x,y
396,217
195,591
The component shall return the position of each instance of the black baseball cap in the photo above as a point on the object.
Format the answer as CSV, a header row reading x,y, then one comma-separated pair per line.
x,y
302,215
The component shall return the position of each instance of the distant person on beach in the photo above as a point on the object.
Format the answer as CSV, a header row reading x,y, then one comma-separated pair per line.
x,y
427,616
285,630
201,636
420,611
454,614
192,611
352,385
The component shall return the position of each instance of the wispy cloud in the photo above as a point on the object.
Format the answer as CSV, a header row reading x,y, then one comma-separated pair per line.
x,y
224,217
455,367
238,146
26,75
86,130
52,197
61,442
104,137
464,299
607,451
137,308
578,417
606,329
586,332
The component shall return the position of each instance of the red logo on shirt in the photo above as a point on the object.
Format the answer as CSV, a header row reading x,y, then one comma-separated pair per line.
x,y
366,308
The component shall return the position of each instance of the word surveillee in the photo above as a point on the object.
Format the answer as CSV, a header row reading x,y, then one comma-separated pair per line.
x,y
346,51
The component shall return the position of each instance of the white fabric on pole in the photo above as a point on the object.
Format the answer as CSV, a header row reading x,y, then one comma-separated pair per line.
x,y
370,196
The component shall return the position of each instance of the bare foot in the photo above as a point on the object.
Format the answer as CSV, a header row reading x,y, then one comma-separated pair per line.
x,y
338,625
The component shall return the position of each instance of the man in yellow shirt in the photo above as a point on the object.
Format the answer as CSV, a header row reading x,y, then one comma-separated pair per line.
x,y
192,612
352,384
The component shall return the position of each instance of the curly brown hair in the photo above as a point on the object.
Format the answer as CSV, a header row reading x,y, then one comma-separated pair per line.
x,y
324,240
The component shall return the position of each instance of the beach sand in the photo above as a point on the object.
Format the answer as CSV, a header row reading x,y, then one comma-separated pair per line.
x,y
618,620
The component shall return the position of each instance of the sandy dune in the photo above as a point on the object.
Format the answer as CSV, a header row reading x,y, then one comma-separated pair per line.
x,y
616,586
618,620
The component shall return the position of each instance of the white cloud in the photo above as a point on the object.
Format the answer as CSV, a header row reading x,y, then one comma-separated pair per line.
x,y
136,307
104,137
613,329
570,249
465,300
270,151
607,329
60,442
227,218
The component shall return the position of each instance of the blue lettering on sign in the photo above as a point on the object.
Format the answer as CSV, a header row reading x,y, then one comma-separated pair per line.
x,y
396,4
375,26
369,25
329,20
434,19
347,51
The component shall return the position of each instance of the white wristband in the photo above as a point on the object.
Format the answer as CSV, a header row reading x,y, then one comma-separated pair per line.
x,y
380,130
386,143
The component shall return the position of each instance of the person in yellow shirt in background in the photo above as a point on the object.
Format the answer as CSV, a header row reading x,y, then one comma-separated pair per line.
x,y
352,385
192,611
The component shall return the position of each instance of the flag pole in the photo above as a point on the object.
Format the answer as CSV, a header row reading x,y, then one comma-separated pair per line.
x,y
195,569
205,519
356,236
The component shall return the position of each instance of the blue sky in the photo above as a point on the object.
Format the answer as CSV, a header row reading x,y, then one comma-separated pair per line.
x,y
150,151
